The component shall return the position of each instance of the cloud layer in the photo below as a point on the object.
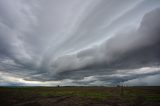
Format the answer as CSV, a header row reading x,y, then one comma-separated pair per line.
x,y
91,42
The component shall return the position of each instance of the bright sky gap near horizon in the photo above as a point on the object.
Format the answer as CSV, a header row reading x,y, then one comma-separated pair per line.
x,y
79,42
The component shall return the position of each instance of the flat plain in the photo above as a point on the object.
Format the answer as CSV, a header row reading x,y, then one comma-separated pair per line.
x,y
80,96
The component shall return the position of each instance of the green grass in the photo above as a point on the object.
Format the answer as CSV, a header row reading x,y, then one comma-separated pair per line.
x,y
95,95
153,98
130,94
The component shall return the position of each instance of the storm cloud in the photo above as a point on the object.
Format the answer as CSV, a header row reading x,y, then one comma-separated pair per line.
x,y
74,42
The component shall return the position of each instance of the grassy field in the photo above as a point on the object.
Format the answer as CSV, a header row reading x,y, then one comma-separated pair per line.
x,y
79,96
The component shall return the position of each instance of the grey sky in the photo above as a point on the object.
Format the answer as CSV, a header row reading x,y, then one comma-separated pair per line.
x,y
79,42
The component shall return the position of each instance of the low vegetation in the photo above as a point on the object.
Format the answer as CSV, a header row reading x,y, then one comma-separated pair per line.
x,y
106,96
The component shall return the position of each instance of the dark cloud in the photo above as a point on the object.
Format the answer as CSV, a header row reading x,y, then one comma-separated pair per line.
x,y
136,48
125,50
78,42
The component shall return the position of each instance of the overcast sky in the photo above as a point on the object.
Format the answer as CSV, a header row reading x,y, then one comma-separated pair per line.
x,y
79,42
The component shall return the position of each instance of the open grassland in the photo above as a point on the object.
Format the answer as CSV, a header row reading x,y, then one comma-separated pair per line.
x,y
79,96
